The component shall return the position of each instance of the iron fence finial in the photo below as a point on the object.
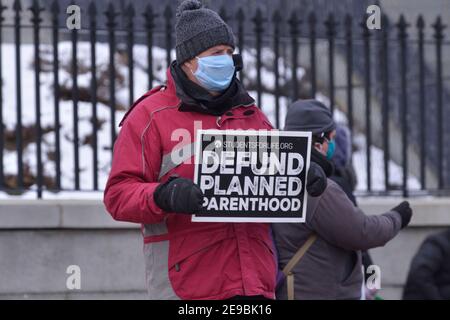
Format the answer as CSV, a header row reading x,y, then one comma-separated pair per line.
x,y
2,8
17,5
331,24
149,17
420,22
223,14
402,26
439,27
92,9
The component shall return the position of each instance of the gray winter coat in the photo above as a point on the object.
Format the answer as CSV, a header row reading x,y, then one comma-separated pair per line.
x,y
331,268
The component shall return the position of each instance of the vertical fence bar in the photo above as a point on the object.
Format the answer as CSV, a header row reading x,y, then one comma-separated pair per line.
x,y
240,17
223,14
168,19
402,37
93,40
17,38
294,22
258,21
111,24
276,19
2,128
55,14
349,58
330,25
385,97
312,20
149,17
367,88
130,42
420,33
36,20
75,98
439,36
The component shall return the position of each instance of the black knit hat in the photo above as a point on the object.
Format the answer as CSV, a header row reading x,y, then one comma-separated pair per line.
x,y
198,29
309,115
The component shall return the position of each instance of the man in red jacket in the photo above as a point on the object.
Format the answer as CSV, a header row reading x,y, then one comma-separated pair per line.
x,y
152,170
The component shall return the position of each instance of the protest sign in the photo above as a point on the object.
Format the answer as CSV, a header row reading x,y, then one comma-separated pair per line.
x,y
252,176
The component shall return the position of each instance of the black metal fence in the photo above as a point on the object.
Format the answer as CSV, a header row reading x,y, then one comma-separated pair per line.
x,y
388,65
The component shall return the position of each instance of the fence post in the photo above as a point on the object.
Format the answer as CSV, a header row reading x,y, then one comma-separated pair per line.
x,y
55,10
168,19
130,13
312,20
2,132
439,36
17,7
223,14
367,88
349,58
111,24
420,30
402,36
149,17
385,97
258,20
36,20
294,22
75,108
330,25
93,40
276,50
240,17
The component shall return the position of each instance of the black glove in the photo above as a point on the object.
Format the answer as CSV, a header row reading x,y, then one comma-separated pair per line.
x,y
405,212
179,195
317,180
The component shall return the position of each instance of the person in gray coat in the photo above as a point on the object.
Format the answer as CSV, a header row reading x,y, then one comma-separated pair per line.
x,y
331,267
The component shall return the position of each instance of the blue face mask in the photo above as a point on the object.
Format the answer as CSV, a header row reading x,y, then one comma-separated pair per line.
x,y
331,148
215,72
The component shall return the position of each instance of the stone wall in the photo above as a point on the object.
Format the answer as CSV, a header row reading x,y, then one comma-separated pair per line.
x,y
40,239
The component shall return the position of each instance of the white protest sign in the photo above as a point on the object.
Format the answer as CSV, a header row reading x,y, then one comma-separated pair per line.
x,y
252,176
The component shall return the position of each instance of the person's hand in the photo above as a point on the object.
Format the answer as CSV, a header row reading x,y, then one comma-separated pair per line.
x,y
405,212
317,180
179,195
370,293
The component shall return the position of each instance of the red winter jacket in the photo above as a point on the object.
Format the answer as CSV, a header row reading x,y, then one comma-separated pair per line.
x,y
184,259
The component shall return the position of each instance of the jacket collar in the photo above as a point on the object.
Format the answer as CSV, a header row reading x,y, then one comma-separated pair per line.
x,y
322,161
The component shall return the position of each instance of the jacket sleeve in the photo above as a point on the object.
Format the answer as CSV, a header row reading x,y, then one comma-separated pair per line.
x,y
136,163
424,267
339,222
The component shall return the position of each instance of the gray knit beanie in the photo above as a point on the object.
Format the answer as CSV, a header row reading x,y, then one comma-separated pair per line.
x,y
198,29
309,115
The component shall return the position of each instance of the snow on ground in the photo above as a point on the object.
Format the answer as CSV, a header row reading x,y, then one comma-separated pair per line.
x,y
103,112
